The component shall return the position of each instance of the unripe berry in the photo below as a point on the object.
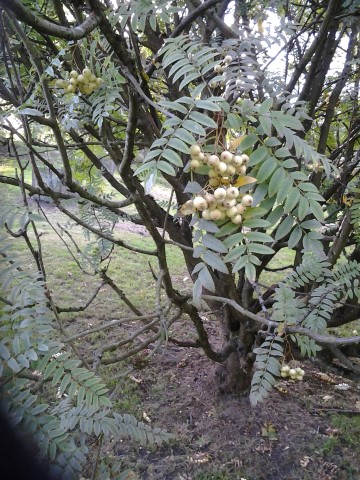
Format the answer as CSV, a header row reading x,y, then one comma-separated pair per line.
x,y
59,83
226,156
230,170
240,208
220,206
213,160
237,160
284,374
194,164
285,368
93,86
232,192
237,219
200,156
220,193
229,202
194,150
187,208
292,373
210,198
92,78
231,212
215,214
247,200
87,72
73,81
200,203
223,215
218,68
221,167
245,159
213,173
99,81
74,74
70,89
214,182
81,78
228,59
225,181
241,170
213,84
206,214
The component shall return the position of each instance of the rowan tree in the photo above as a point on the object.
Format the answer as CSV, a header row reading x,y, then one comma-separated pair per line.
x,y
248,113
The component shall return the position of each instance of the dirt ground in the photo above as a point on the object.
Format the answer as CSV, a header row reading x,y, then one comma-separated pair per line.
x,y
304,430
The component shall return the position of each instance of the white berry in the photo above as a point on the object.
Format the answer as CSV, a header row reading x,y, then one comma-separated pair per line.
x,y
200,203
247,200
220,193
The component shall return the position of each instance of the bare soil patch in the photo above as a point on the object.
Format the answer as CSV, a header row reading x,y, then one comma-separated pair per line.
x,y
289,437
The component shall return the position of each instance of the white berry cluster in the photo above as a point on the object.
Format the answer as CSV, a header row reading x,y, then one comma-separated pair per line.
x,y
85,81
294,373
221,199
220,68
222,168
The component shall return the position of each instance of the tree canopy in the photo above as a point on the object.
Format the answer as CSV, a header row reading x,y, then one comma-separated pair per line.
x,y
247,114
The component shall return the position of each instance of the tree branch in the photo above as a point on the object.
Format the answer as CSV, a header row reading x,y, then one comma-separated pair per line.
x,y
44,26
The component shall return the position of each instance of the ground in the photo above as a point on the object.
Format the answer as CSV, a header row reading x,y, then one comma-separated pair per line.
x,y
299,432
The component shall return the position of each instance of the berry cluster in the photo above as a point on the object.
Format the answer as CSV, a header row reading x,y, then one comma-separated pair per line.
x,y
222,169
294,373
222,199
85,81
220,68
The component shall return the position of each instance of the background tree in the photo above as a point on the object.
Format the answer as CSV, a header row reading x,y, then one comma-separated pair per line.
x,y
219,104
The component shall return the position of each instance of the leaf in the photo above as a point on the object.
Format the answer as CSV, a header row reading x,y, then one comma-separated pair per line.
x,y
284,189
303,208
194,127
245,180
316,209
266,169
213,243
295,237
235,253
208,105
249,141
188,79
250,271
260,248
292,199
185,136
215,261
179,145
193,187
258,155
284,228
203,119
30,111
276,181
206,279
236,142
166,168
256,223
265,106
172,157
258,237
